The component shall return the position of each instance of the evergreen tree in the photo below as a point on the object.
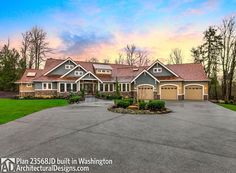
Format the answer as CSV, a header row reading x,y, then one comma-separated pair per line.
x,y
11,68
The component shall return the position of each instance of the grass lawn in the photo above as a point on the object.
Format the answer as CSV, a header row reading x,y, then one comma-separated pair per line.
x,y
11,109
228,106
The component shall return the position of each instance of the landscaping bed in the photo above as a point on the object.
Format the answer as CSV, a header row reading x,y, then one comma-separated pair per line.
x,y
130,106
130,111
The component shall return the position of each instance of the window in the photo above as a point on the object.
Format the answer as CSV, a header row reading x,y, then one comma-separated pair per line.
x,y
103,71
49,86
106,87
68,67
157,70
78,73
123,87
46,86
68,87
111,87
62,87
101,87
28,85
74,87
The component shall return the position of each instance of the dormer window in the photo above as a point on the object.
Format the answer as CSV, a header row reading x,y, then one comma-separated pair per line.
x,y
78,73
157,70
68,67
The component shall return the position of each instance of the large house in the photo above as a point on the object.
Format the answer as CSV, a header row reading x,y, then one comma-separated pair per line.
x,y
157,81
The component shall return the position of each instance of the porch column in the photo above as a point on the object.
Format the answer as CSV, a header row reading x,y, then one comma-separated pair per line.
x,y
58,87
78,86
108,88
98,86
65,86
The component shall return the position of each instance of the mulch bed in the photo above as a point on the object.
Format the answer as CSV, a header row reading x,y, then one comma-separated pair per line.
x,y
130,111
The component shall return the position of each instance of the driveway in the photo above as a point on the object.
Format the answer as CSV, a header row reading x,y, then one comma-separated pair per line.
x,y
198,137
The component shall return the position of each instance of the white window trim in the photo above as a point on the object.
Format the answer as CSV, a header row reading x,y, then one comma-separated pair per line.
x,y
69,66
157,70
126,88
47,88
71,87
78,73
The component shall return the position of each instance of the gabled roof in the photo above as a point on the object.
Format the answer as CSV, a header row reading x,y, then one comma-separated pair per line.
x,y
123,73
73,70
157,61
68,59
189,72
89,72
145,71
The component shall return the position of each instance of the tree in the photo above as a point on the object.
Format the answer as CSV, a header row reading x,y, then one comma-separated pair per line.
x,y
25,48
106,60
132,55
208,55
175,57
11,68
93,59
35,47
227,55
120,59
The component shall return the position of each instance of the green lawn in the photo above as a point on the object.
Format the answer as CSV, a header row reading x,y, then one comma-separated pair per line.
x,y
228,106
11,109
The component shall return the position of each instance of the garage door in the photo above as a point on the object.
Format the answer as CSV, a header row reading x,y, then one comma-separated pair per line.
x,y
193,92
145,92
169,92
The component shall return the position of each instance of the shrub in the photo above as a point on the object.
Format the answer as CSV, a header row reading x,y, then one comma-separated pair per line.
x,y
107,96
122,103
156,105
130,100
82,93
74,99
142,105
98,95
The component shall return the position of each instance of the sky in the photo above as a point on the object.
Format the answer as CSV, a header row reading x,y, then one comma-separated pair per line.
x,y
82,29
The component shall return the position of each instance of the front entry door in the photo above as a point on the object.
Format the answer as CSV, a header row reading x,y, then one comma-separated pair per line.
x,y
88,88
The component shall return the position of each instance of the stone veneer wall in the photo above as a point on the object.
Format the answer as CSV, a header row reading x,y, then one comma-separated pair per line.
x,y
46,93
26,94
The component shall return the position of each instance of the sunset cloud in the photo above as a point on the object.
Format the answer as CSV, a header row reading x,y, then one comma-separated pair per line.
x,y
85,29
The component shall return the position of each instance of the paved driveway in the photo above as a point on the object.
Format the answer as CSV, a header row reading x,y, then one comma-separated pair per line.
x,y
197,137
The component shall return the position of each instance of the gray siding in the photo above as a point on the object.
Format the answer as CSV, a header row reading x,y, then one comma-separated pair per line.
x,y
61,70
71,74
163,73
144,79
54,85
38,85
